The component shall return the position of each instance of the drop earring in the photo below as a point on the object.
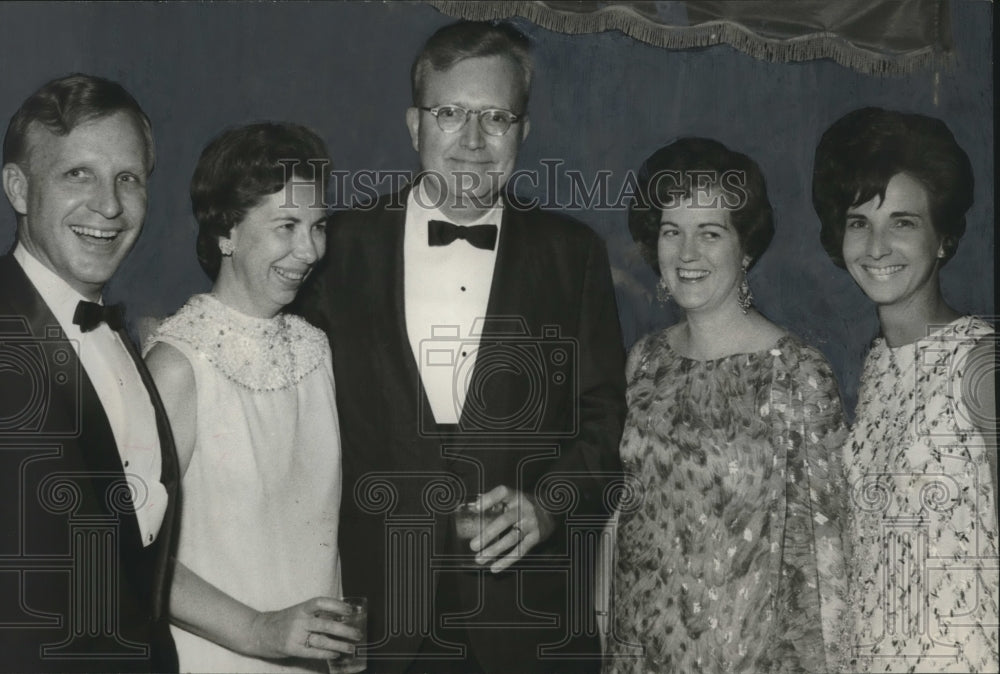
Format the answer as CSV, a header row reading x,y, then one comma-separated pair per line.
x,y
743,294
662,292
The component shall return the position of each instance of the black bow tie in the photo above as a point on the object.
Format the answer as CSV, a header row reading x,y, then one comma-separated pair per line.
x,y
89,315
441,233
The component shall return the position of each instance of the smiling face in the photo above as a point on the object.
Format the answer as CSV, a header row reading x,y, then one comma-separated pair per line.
x,y
275,247
699,255
891,247
474,165
81,198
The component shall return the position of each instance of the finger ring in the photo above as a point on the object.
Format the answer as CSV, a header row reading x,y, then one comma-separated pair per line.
x,y
520,534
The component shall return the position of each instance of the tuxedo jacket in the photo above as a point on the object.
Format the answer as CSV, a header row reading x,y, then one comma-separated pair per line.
x,y
78,591
544,414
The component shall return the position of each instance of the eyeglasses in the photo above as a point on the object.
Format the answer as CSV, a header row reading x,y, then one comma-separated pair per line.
x,y
493,121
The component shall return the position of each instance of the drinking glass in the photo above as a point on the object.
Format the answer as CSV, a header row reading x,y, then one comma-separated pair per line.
x,y
358,619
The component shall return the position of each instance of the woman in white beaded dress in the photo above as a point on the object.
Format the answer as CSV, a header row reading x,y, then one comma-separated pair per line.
x,y
250,395
892,190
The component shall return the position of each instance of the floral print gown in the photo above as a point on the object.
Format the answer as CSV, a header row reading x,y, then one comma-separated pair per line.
x,y
924,572
729,554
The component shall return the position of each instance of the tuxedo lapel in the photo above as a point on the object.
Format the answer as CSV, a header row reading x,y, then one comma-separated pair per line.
x,y
515,274
169,477
396,349
168,456
515,277
99,449
99,452
95,443
397,344
398,334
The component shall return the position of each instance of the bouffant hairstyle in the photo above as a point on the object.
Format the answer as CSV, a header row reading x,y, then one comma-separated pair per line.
x,y
690,167
861,152
242,166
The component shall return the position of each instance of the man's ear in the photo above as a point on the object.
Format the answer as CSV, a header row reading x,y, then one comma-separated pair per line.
x,y
525,127
15,186
413,124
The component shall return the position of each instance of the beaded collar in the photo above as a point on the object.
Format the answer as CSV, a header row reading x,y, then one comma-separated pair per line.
x,y
261,354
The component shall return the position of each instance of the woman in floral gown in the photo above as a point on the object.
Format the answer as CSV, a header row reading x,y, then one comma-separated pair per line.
x,y
892,190
250,396
729,546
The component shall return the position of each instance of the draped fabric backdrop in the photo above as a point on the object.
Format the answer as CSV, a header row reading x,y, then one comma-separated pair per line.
x,y
870,36
606,95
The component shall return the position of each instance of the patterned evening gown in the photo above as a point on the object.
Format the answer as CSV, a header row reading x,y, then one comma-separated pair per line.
x,y
924,572
729,556
261,495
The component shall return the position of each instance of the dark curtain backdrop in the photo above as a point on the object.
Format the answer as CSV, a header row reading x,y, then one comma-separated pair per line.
x,y
871,36
601,102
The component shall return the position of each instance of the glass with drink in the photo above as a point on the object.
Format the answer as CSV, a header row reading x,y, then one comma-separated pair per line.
x,y
358,619
470,521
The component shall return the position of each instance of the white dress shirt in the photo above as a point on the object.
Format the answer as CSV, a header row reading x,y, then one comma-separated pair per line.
x,y
119,387
446,291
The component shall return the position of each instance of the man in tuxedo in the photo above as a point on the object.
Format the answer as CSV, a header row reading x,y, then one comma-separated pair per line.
x,y
478,358
87,461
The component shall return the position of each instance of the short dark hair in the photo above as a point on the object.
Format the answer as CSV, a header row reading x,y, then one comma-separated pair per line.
x,y
689,166
242,166
66,102
472,39
861,152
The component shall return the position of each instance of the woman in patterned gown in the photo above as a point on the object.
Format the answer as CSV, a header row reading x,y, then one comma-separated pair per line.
x,y
249,392
728,547
892,190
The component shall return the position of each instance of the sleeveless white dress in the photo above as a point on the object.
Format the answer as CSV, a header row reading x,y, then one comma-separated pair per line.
x,y
261,495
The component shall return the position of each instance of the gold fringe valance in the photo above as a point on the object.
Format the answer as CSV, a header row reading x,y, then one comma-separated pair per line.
x,y
876,37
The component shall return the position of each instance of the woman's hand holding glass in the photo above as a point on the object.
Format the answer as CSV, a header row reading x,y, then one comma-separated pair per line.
x,y
307,630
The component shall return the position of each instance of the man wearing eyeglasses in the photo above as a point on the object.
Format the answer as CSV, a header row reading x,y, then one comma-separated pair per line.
x,y
478,361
